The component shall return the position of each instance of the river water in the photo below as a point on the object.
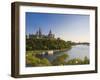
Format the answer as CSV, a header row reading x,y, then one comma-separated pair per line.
x,y
77,51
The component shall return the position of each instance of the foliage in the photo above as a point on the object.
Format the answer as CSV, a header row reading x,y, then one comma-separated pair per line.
x,y
32,60
46,44
86,60
74,61
78,61
60,60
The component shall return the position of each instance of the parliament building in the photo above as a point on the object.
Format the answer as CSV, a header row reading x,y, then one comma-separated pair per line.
x,y
40,35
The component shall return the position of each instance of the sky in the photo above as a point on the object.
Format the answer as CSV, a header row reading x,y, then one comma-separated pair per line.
x,y
69,27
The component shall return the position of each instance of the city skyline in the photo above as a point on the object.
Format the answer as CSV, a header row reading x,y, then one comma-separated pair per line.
x,y
69,27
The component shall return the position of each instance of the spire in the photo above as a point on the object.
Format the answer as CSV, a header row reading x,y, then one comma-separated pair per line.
x,y
37,33
50,32
50,35
40,33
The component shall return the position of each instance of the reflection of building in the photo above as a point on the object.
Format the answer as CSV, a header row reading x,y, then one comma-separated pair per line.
x,y
39,35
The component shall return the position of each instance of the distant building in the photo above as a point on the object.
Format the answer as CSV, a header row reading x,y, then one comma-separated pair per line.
x,y
39,35
50,35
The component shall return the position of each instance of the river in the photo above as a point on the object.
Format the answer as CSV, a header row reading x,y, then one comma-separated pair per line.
x,y
77,51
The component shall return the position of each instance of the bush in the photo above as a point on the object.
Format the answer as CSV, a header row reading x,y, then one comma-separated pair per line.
x,y
74,61
35,61
86,60
60,60
45,62
78,61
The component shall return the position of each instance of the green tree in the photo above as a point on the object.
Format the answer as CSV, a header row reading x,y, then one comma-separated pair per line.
x,y
86,60
60,60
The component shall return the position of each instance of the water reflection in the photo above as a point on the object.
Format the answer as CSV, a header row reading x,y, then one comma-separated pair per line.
x,y
78,51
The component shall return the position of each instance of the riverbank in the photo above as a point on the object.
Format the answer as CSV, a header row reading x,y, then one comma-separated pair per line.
x,y
77,55
34,52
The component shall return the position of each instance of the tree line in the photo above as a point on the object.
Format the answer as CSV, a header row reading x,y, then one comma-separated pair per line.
x,y
47,44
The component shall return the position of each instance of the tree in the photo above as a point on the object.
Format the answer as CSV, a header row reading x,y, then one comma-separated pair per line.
x,y
86,60
46,44
60,60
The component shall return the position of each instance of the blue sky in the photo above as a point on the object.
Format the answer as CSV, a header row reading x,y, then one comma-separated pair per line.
x,y
72,27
